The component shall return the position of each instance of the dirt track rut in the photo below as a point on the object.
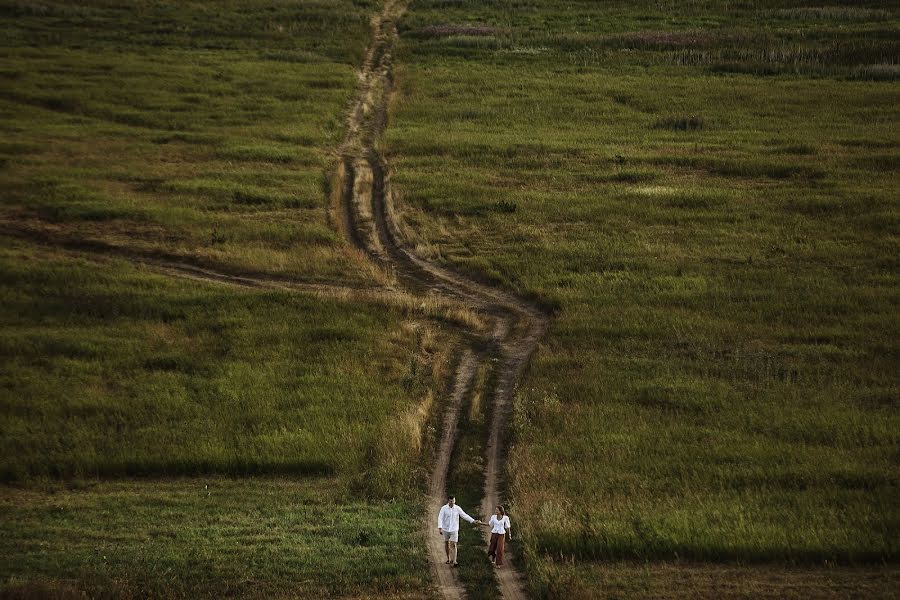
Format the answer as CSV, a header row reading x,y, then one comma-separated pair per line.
x,y
370,222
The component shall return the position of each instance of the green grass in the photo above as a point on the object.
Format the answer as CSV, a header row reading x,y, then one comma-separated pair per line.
x,y
203,132
132,373
717,238
209,538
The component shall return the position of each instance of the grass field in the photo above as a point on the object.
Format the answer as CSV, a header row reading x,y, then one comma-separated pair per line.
x,y
196,130
708,203
130,373
703,193
173,438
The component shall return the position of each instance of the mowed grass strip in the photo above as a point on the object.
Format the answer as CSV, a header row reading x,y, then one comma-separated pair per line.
x,y
719,248
186,128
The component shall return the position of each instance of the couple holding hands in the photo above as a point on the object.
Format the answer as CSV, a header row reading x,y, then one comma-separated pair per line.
x,y
448,526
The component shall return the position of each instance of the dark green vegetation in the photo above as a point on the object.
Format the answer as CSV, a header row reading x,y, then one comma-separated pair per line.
x,y
706,196
197,131
682,579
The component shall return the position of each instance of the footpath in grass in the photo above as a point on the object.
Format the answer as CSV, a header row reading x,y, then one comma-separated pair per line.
x,y
708,203
465,480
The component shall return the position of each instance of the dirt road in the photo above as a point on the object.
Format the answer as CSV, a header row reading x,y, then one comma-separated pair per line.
x,y
370,223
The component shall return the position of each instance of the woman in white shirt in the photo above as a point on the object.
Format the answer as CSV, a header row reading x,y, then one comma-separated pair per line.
x,y
500,526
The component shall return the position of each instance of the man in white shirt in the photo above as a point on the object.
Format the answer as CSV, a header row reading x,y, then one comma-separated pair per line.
x,y
448,526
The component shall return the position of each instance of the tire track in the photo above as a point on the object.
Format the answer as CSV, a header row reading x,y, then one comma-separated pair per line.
x,y
371,224
177,266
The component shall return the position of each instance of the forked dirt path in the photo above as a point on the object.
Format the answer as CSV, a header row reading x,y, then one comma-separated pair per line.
x,y
371,224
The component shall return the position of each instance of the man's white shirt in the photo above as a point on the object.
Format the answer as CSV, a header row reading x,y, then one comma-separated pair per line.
x,y
448,518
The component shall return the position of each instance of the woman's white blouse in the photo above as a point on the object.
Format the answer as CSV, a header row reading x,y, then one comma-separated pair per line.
x,y
499,525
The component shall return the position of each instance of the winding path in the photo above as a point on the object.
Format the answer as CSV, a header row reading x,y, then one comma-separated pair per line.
x,y
515,326
371,224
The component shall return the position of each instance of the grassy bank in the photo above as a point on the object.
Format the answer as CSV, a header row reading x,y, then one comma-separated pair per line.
x,y
714,222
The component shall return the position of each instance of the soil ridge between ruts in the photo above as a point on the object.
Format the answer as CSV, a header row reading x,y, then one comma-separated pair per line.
x,y
370,223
